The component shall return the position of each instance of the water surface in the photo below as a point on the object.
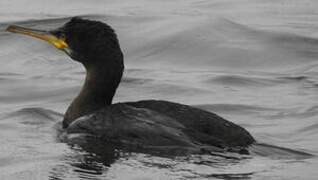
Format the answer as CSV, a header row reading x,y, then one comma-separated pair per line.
x,y
252,62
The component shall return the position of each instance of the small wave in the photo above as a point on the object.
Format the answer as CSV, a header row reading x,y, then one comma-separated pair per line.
x,y
295,78
262,81
277,152
308,79
311,128
34,116
230,176
299,44
9,74
243,81
134,80
296,113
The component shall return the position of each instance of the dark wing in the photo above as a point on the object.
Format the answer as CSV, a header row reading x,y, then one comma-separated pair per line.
x,y
128,125
202,126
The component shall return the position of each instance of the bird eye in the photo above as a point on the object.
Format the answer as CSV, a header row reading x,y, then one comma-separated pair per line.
x,y
62,36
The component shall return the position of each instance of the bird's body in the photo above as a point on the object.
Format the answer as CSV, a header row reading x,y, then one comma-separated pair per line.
x,y
153,123
148,123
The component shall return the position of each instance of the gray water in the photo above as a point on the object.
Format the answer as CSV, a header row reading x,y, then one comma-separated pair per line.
x,y
254,62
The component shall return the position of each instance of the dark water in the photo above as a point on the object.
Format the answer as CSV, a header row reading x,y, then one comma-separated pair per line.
x,y
253,62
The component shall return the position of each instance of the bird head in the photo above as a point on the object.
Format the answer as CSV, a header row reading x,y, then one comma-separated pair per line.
x,y
86,41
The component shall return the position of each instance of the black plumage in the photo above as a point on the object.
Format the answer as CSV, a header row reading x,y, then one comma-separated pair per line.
x,y
145,124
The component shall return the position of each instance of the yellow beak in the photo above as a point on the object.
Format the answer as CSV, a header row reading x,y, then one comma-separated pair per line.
x,y
44,35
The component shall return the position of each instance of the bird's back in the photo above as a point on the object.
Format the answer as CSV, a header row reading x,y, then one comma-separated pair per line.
x,y
202,126
151,123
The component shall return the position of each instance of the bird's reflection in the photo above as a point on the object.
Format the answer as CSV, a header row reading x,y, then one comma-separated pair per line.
x,y
89,158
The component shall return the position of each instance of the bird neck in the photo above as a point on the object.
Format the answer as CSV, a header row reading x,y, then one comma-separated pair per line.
x,y
97,92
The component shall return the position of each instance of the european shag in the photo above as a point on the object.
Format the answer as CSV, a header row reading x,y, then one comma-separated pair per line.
x,y
147,123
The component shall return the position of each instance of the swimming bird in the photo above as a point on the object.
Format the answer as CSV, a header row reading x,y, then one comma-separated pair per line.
x,y
146,123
